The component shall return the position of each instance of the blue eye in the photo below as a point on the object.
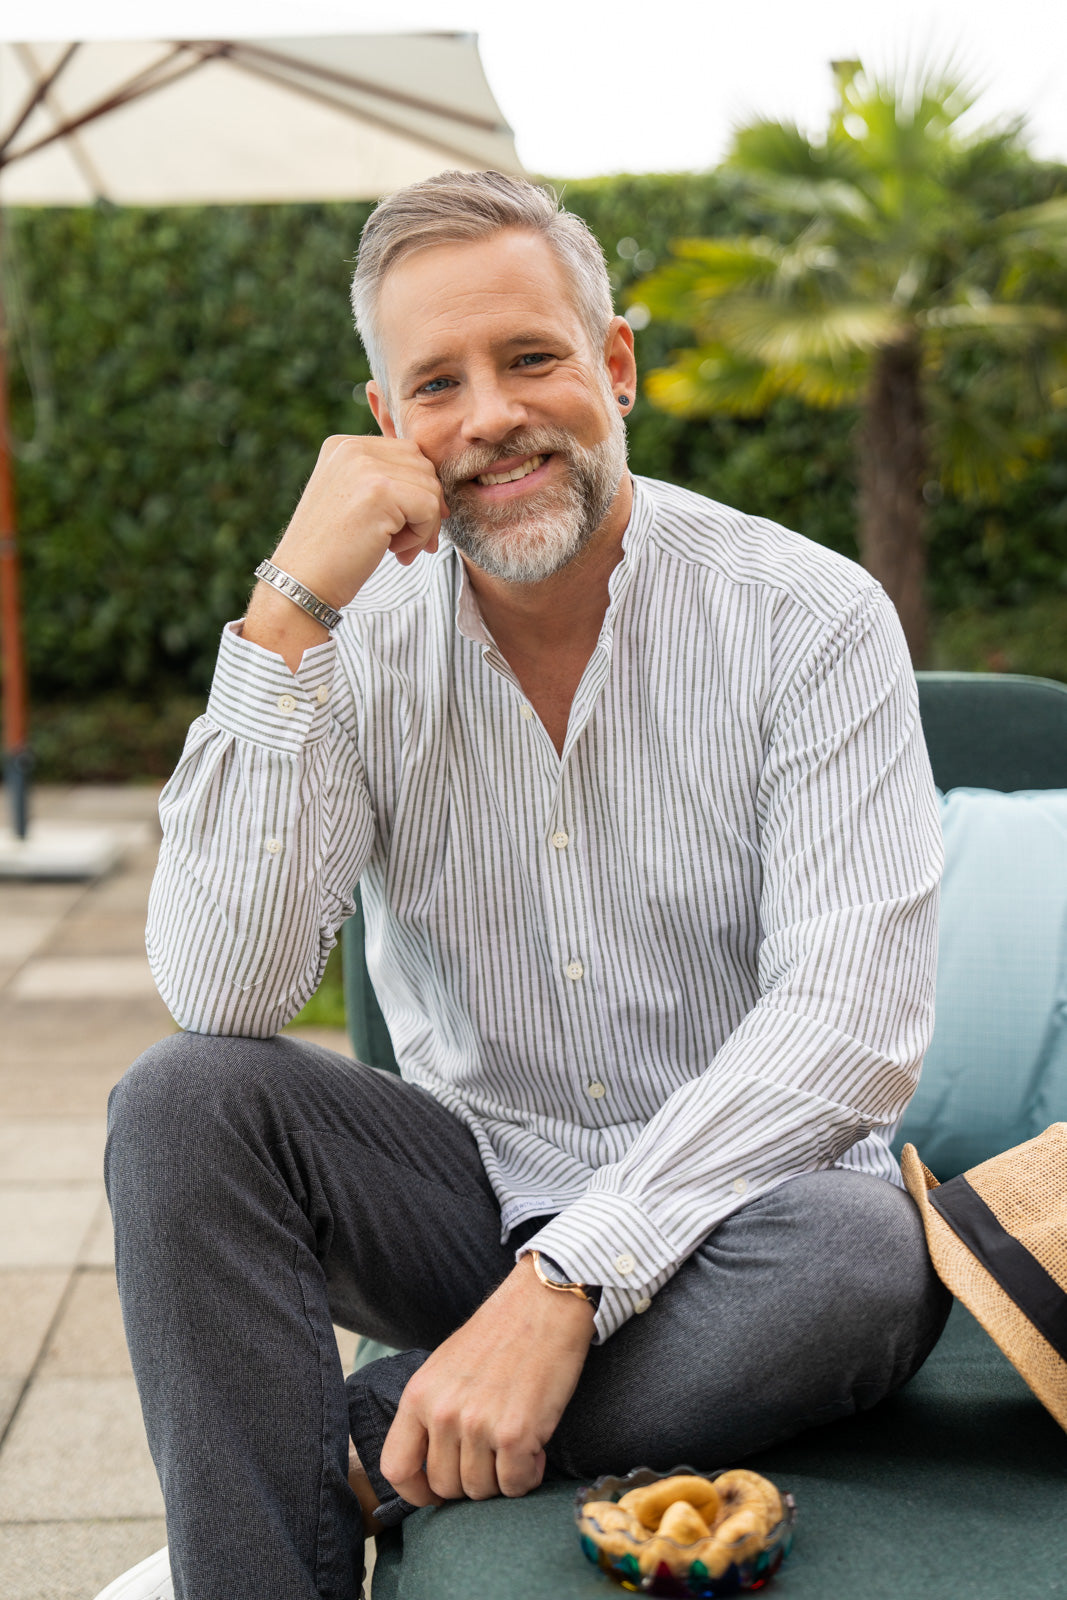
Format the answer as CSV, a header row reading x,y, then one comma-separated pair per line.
x,y
435,386
534,357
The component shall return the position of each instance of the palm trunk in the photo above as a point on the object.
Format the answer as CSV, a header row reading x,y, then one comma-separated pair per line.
x,y
892,463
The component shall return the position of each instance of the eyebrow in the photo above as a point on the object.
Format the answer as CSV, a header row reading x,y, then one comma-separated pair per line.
x,y
538,339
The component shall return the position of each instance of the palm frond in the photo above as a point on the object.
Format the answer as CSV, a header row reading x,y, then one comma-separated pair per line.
x,y
712,381
1008,325
978,451
704,270
775,333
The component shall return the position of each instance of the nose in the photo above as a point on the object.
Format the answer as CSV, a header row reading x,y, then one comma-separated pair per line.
x,y
491,412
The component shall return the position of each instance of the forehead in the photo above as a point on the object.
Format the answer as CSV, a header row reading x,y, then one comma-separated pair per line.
x,y
449,300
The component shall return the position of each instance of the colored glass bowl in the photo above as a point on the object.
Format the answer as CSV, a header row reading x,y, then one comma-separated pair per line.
x,y
683,1577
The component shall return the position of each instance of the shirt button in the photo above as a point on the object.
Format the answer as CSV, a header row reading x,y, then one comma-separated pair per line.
x,y
575,970
286,703
642,1304
625,1264
561,840
596,1091
273,846
526,712
322,694
740,1185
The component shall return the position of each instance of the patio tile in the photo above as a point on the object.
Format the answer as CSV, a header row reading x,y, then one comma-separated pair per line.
x,y
21,935
106,802
97,1031
29,1299
73,1560
346,1345
45,1225
67,979
38,899
10,1389
88,1340
128,889
92,932
51,1149
99,1247
77,1449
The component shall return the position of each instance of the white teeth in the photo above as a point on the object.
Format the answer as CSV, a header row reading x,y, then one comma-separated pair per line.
x,y
531,464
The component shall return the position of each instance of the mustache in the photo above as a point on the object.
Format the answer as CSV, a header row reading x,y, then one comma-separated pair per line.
x,y
456,471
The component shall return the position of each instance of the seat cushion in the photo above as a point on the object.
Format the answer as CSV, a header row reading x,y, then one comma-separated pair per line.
x,y
996,1070
955,1486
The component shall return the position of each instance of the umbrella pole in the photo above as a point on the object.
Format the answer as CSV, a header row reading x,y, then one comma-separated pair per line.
x,y
17,759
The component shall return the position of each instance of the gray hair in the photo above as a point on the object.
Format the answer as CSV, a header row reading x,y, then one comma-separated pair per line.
x,y
459,207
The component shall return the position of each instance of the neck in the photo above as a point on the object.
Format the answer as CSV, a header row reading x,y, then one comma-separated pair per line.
x,y
563,611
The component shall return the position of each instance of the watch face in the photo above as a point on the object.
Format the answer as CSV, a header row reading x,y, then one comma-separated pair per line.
x,y
552,1271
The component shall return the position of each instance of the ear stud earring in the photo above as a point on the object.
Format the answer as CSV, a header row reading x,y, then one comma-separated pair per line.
x,y
624,399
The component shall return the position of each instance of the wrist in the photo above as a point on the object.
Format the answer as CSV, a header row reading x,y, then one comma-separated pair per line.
x,y
563,1309
274,623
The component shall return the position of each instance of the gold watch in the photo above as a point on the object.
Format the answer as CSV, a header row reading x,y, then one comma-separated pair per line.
x,y
553,1278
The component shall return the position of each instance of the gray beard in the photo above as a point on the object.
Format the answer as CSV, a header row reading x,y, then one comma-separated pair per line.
x,y
528,541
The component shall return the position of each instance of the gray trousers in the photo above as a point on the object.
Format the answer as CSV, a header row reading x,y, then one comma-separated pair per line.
x,y
263,1189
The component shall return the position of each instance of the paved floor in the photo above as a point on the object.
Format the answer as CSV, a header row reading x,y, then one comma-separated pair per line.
x,y
79,1500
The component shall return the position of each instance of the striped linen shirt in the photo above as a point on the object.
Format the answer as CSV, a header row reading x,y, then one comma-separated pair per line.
x,y
656,976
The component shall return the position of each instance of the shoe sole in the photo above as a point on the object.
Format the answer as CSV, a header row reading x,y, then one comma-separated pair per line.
x,y
149,1580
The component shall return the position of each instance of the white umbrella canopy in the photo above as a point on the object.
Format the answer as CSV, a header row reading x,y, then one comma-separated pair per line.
x,y
218,121
150,123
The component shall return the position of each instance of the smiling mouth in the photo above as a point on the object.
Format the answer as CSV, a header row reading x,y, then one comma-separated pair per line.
x,y
523,470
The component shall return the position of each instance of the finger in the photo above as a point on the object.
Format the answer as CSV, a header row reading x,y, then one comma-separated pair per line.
x,y
477,1470
519,1471
443,1464
403,1455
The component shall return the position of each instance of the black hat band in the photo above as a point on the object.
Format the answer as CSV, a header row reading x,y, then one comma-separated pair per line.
x,y
1021,1276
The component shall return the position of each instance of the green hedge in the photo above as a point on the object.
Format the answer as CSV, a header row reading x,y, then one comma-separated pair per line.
x,y
192,360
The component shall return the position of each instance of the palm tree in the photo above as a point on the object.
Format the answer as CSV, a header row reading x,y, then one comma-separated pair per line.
x,y
892,276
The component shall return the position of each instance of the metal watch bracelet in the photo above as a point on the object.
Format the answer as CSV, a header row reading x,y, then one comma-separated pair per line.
x,y
298,594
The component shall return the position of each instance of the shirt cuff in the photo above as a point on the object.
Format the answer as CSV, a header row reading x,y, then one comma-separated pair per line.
x,y
255,696
608,1240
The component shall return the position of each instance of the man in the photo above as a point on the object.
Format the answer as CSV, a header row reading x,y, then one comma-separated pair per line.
x,y
636,791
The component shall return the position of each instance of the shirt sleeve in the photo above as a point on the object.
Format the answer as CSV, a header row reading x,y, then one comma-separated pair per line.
x,y
267,825
851,852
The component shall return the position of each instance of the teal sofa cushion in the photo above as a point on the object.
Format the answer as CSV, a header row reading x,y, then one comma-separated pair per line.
x,y
955,1486
996,1070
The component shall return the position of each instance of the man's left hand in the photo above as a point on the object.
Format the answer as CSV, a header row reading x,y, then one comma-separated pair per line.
x,y
475,1418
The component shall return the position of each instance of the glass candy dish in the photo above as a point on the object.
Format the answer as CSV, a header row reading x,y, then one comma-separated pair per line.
x,y
678,1574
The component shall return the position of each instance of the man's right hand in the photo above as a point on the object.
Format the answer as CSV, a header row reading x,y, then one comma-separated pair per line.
x,y
367,496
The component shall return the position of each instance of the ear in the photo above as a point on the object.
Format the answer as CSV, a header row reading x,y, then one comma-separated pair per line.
x,y
619,357
377,403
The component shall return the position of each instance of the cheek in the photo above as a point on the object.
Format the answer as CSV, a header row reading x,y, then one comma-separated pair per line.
x,y
430,432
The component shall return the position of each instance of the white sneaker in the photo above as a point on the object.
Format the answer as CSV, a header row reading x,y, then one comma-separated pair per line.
x,y
149,1580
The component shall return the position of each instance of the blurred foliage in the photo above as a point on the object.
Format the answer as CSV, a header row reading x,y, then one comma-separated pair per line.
x,y
326,1008
187,363
901,264
109,738
1029,638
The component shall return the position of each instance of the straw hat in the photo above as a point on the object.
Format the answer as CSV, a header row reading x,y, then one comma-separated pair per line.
x,y
998,1238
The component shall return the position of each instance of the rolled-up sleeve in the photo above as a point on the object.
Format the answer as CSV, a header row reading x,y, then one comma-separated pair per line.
x,y
851,854
267,825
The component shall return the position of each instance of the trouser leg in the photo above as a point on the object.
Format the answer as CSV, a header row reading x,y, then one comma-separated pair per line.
x,y
810,1304
261,1190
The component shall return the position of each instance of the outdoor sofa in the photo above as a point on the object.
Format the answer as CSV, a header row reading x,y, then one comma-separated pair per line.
x,y
957,1485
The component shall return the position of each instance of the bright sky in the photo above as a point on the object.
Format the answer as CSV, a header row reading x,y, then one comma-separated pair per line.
x,y
595,86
